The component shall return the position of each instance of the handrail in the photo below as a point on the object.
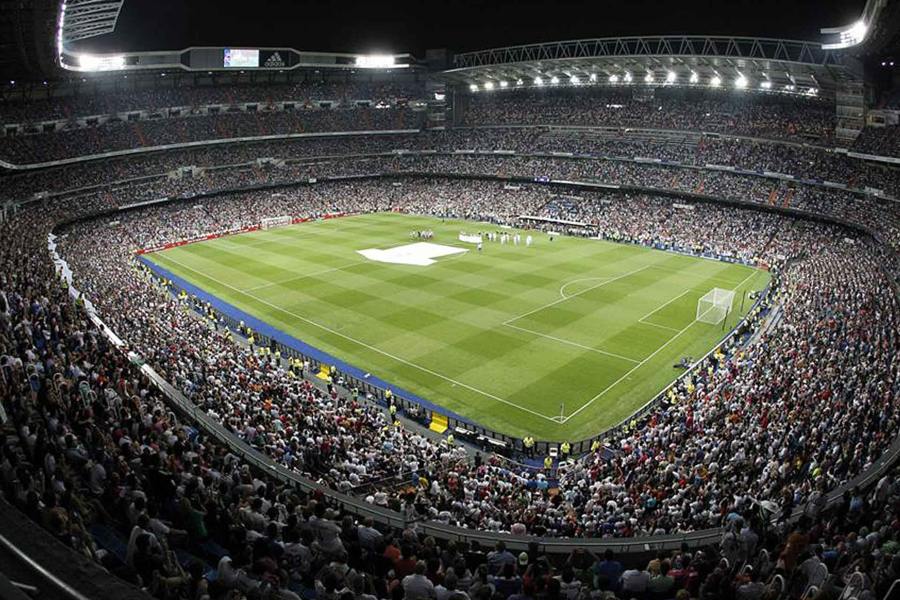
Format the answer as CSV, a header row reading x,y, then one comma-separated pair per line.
x,y
35,566
200,143
636,545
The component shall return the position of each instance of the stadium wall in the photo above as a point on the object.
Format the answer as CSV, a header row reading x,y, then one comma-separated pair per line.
x,y
638,548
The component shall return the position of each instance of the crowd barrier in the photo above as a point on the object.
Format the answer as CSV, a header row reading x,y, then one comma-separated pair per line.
x,y
625,547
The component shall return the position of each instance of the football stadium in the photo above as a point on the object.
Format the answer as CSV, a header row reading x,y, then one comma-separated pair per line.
x,y
337,303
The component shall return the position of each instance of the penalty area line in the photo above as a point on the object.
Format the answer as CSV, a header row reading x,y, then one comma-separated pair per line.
x,y
365,345
643,362
571,343
576,294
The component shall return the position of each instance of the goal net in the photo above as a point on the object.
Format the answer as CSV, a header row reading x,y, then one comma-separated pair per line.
x,y
272,222
714,306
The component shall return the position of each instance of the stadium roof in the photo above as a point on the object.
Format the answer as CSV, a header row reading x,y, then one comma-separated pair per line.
x,y
752,63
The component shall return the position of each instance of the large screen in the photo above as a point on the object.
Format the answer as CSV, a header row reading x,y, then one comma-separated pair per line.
x,y
241,58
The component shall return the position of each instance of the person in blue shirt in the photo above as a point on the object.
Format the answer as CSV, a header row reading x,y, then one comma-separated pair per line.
x,y
607,572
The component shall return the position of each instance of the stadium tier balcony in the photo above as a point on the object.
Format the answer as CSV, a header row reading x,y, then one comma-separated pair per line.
x,y
95,454
788,118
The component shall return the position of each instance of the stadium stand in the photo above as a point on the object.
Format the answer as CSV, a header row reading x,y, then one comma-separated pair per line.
x,y
159,453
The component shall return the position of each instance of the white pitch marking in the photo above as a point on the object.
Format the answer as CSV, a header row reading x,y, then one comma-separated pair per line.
x,y
655,310
570,343
363,344
298,277
643,362
568,283
666,327
584,291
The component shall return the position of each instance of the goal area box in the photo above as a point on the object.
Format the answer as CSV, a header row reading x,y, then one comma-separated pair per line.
x,y
714,306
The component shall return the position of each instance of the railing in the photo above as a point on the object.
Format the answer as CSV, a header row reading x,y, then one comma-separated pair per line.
x,y
631,546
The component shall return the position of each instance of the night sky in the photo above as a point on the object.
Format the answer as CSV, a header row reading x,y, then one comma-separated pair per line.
x,y
459,25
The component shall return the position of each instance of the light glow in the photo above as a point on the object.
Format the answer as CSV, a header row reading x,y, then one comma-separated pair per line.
x,y
648,78
375,61
627,77
847,36
716,81
489,85
694,78
554,80
614,78
741,82
93,62
670,77
766,85
538,81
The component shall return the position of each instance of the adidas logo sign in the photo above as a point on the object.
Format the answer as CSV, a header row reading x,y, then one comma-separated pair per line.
x,y
274,61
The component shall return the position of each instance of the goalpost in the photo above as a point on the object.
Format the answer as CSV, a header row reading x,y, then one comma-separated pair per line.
x,y
272,222
714,306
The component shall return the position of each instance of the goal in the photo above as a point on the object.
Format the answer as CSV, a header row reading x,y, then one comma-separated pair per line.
x,y
272,222
714,306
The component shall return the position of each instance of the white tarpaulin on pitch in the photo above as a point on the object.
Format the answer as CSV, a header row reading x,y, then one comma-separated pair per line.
x,y
420,254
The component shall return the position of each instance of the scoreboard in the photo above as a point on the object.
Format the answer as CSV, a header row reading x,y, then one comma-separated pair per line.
x,y
242,58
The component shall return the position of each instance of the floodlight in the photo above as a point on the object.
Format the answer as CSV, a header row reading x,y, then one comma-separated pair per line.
x,y
538,81
488,85
766,85
858,30
574,80
670,77
848,36
375,61
519,82
473,87
593,76
648,78
789,87
554,80
741,82
812,92
614,78
504,83
627,77
694,77
93,62
716,81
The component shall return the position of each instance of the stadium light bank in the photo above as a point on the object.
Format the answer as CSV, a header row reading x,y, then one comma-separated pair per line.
x,y
378,61
95,62
848,36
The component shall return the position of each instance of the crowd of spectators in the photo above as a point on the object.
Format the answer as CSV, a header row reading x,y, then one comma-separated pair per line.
x,y
778,117
881,141
802,162
304,94
93,454
185,349
127,135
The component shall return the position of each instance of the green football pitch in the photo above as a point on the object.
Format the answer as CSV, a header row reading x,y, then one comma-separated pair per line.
x,y
559,340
